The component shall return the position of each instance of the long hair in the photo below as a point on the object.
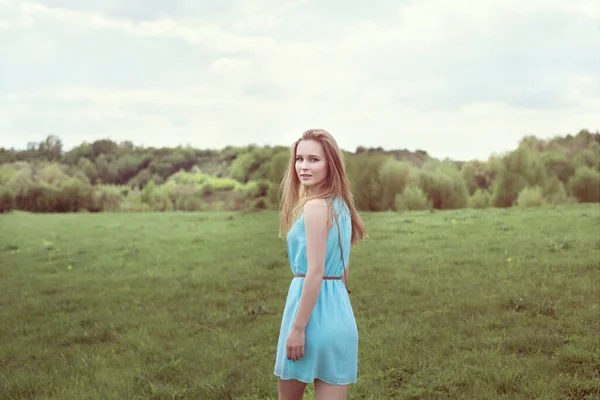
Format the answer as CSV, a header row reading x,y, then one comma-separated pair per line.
x,y
294,195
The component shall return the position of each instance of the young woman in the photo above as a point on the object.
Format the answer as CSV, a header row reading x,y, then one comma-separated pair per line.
x,y
318,339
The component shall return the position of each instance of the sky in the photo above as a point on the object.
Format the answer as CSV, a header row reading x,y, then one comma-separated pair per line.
x,y
461,79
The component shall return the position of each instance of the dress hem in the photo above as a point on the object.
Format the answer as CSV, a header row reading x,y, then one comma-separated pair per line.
x,y
307,381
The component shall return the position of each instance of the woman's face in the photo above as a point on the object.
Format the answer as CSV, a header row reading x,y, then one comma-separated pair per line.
x,y
311,166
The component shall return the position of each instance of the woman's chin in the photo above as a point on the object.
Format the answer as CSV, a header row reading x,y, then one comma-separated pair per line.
x,y
307,185
311,188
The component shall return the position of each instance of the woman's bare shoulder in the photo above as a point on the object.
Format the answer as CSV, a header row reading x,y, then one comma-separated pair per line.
x,y
318,211
316,202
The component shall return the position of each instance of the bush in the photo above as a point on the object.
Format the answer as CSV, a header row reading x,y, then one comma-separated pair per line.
x,y
223,184
42,198
161,202
232,201
554,192
477,175
107,198
589,157
184,198
412,198
158,198
141,179
251,165
72,196
81,177
21,180
7,200
506,188
480,199
189,178
30,197
88,168
277,166
514,172
262,189
531,197
190,204
585,185
445,188
519,162
6,175
260,204
254,189
538,173
134,202
54,192
52,175
75,196
206,189
148,193
363,173
274,196
394,176
556,165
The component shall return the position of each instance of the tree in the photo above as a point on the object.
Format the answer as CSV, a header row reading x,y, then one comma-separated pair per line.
x,y
394,177
513,176
278,166
104,146
585,185
88,168
51,148
363,172
556,164
445,188
477,175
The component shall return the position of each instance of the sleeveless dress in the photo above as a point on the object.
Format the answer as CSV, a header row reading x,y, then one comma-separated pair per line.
x,y
331,335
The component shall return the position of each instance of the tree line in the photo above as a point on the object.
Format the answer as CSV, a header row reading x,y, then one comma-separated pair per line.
x,y
110,176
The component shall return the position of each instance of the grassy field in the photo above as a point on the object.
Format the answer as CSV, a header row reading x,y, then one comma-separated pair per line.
x,y
466,304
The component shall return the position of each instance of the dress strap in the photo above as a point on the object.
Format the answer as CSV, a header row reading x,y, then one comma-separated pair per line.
x,y
341,251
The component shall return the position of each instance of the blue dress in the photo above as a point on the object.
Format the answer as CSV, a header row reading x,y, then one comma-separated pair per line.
x,y
331,335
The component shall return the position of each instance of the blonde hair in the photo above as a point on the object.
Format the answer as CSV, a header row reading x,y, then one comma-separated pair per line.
x,y
294,195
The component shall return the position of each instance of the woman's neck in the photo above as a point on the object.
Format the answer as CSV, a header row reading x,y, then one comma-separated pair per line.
x,y
314,191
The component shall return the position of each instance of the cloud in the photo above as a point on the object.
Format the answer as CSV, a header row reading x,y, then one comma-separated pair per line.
x,y
212,36
458,79
148,9
264,14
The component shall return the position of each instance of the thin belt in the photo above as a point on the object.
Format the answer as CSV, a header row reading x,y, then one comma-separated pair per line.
x,y
325,277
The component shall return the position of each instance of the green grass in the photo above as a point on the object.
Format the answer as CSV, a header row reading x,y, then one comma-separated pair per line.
x,y
466,304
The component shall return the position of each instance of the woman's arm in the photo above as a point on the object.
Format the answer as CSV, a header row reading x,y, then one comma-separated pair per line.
x,y
316,216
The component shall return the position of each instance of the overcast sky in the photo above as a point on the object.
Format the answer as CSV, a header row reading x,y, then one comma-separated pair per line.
x,y
457,78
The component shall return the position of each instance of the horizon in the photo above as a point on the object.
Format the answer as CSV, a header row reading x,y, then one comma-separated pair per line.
x,y
495,153
458,80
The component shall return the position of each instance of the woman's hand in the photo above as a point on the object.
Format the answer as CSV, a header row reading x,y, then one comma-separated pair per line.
x,y
295,344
